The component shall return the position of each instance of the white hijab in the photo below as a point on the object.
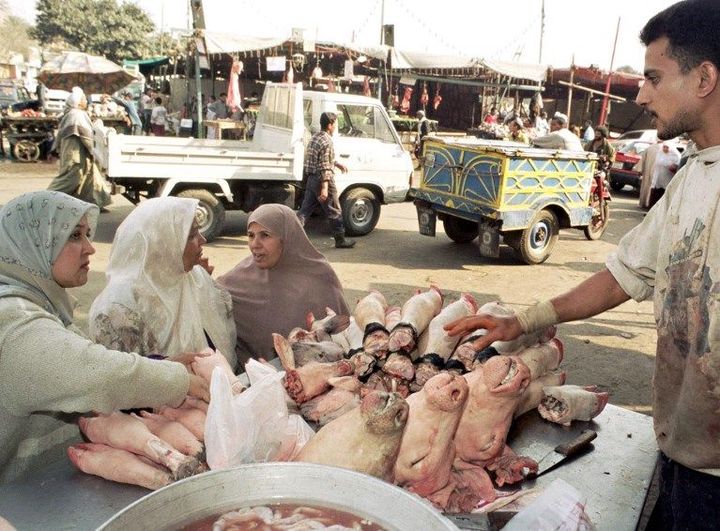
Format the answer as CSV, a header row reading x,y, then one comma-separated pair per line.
x,y
34,228
145,274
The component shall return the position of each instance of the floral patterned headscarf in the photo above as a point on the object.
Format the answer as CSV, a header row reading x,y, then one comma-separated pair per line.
x,y
34,228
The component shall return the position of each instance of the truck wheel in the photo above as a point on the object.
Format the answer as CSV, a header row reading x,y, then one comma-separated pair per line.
x,y
210,213
361,211
460,230
538,240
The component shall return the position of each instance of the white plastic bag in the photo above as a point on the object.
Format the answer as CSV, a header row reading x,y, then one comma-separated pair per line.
x,y
254,426
560,507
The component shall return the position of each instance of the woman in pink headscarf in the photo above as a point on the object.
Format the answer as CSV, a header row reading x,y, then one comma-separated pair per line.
x,y
284,279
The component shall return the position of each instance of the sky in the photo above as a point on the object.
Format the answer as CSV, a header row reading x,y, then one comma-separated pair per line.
x,y
498,29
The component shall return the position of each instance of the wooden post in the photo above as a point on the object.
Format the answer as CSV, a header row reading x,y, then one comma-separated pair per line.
x,y
570,89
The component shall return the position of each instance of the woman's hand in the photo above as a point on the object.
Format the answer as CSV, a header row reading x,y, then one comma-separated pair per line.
x,y
205,264
498,328
199,388
187,358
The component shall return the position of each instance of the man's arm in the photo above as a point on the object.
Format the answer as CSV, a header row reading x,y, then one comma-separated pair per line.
x,y
595,295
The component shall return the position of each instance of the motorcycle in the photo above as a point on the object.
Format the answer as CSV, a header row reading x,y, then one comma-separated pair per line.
x,y
600,202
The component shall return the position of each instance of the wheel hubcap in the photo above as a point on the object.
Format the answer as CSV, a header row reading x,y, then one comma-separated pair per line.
x,y
203,215
361,212
539,235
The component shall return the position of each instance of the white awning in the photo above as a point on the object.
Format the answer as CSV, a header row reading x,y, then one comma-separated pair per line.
x,y
229,43
405,60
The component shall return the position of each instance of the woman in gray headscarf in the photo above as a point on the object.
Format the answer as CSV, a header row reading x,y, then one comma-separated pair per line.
x,y
48,369
79,176
285,278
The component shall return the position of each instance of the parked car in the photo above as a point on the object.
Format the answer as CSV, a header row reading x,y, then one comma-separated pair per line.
x,y
627,168
648,136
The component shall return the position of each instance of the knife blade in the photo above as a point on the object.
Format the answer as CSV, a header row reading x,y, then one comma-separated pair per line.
x,y
565,450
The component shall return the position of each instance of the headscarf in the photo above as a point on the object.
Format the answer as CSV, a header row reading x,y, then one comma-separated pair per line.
x,y
75,122
34,228
278,299
145,274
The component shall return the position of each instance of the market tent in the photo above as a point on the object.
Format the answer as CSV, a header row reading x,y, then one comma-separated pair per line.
x,y
145,66
217,42
408,60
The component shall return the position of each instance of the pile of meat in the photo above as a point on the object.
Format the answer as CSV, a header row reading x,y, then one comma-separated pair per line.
x,y
401,400
150,449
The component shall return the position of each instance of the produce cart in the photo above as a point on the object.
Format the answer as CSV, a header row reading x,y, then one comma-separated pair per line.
x,y
615,477
30,137
492,188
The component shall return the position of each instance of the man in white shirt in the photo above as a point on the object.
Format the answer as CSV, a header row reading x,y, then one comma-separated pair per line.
x,y
560,137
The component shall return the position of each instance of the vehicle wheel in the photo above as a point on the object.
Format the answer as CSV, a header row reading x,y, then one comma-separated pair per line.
x,y
616,185
361,211
599,221
538,240
26,151
460,230
210,213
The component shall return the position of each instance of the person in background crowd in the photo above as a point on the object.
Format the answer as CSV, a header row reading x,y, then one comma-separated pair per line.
x,y
423,129
647,161
492,116
78,176
220,107
158,118
49,371
588,133
285,278
320,190
604,149
136,123
575,129
517,132
559,137
147,101
666,164
541,124
673,258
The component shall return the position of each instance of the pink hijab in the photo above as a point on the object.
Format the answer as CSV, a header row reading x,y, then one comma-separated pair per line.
x,y
278,299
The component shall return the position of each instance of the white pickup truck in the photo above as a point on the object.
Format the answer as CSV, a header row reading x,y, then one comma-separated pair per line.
x,y
241,175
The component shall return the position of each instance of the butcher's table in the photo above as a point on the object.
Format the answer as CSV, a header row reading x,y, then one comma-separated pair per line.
x,y
615,477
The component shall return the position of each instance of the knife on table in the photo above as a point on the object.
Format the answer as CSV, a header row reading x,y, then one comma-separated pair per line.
x,y
565,450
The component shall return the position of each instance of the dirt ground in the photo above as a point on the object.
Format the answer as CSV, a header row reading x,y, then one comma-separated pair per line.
x,y
614,350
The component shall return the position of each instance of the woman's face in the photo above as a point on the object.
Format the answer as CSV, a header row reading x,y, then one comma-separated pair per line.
x,y
265,247
72,265
193,247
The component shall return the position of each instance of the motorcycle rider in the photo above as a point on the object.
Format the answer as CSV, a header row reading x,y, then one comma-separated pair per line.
x,y
600,145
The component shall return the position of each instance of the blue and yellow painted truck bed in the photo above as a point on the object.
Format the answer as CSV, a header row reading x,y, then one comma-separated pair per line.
x,y
504,183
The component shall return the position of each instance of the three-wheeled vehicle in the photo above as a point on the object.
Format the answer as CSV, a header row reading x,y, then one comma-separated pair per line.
x,y
493,188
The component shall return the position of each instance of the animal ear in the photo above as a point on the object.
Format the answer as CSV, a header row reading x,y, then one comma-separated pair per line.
x,y
309,319
329,311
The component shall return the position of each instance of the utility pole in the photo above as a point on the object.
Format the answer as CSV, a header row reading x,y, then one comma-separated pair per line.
x,y
198,35
603,109
542,29
382,41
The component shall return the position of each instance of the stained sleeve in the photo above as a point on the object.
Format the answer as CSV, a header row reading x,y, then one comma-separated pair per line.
x,y
46,367
634,263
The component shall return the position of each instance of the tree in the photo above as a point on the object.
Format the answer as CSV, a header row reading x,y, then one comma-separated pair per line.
x,y
99,27
14,32
627,69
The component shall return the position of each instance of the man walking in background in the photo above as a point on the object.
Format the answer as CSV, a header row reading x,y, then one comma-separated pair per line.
x,y
319,170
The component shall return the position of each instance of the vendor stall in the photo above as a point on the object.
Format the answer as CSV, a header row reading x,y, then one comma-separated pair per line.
x,y
615,477
30,136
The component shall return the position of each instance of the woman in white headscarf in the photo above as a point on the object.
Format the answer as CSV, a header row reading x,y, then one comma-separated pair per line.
x,y
285,278
48,369
159,298
78,176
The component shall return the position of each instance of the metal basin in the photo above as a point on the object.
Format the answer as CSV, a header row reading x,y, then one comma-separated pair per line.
x,y
211,493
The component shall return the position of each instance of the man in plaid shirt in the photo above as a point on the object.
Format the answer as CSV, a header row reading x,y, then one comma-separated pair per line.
x,y
319,169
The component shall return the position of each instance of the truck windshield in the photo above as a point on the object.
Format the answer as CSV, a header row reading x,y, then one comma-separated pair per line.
x,y
364,121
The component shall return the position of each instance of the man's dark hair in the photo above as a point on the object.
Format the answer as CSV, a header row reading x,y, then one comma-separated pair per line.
x,y
223,94
692,28
158,100
326,119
